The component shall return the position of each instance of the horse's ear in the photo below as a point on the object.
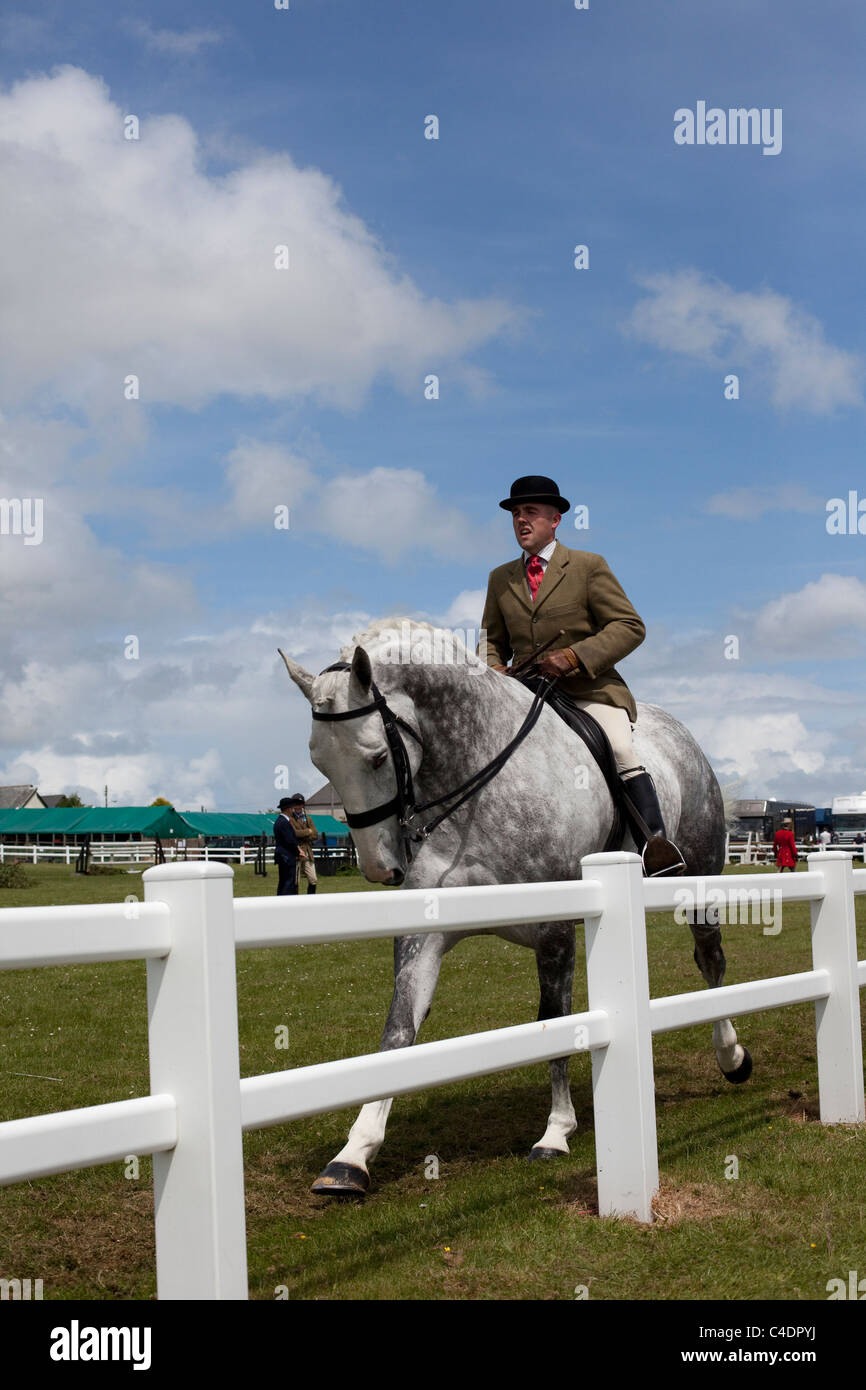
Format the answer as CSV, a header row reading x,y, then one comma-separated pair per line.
x,y
361,668
303,679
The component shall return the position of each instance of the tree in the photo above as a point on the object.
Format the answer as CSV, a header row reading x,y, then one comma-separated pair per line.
x,y
73,800
160,801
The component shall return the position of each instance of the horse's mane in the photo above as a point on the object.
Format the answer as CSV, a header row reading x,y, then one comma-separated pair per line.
x,y
411,643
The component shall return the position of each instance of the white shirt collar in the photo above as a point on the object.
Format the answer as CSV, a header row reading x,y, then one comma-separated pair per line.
x,y
543,555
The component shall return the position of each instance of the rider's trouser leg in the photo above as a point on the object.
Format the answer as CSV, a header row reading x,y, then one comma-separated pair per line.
x,y
660,856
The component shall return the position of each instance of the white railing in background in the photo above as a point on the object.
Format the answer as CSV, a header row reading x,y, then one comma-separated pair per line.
x,y
755,851
190,926
144,852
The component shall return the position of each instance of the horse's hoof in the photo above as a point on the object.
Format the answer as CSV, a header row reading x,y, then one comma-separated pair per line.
x,y
743,1071
539,1152
341,1178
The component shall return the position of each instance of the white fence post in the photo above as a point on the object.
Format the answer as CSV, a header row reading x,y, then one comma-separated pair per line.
x,y
623,1085
834,948
193,1026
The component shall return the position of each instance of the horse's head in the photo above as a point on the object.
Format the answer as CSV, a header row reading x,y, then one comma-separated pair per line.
x,y
355,757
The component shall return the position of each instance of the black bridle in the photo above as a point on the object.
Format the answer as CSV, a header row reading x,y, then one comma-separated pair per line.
x,y
403,805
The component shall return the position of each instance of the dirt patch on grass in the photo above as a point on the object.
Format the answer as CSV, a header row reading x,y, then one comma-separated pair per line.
x,y
797,1106
674,1202
100,1248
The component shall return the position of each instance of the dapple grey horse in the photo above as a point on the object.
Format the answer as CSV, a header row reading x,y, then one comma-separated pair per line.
x,y
547,808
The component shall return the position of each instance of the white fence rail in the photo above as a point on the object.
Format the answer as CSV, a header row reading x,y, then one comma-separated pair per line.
x,y
190,927
753,850
144,852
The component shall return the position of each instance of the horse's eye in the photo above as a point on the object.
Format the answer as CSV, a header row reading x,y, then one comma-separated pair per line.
x,y
379,759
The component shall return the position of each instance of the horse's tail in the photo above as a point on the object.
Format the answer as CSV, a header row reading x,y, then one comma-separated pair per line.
x,y
730,795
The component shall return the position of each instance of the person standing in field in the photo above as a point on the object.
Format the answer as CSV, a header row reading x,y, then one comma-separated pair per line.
x,y
785,848
286,851
306,835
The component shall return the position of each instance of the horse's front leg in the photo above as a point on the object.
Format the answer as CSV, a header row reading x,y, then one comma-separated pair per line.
x,y
417,960
735,1061
554,957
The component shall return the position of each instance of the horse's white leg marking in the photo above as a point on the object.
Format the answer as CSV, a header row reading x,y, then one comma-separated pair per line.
x,y
555,960
419,960
729,1052
366,1135
562,1120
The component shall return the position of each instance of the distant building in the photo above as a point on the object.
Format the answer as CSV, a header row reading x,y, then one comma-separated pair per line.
x,y
764,818
25,798
326,802
54,800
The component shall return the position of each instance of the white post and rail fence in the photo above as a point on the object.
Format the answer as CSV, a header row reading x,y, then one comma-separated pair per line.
x,y
190,926
145,852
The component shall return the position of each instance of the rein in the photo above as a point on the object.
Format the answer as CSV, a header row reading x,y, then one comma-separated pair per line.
x,y
403,804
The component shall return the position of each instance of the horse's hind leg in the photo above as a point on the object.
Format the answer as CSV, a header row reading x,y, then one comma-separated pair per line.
x,y
734,1060
417,960
554,956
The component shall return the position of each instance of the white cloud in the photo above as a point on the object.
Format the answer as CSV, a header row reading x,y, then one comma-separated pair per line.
x,y
167,272
179,43
762,747
392,511
782,735
264,476
826,618
703,318
134,780
751,503
387,512
202,722
58,595
465,611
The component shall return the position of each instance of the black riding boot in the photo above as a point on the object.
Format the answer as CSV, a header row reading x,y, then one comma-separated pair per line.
x,y
311,888
659,855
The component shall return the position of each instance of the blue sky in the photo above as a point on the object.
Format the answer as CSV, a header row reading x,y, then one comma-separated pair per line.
x,y
412,256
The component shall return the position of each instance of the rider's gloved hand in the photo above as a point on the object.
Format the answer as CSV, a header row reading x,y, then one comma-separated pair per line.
x,y
559,663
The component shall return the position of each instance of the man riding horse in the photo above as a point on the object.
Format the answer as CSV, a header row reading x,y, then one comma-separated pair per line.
x,y
551,592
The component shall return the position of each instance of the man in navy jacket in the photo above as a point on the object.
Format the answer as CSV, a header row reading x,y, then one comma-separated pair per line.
x,y
286,850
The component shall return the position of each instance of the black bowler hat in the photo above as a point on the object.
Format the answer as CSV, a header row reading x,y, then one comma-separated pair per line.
x,y
534,488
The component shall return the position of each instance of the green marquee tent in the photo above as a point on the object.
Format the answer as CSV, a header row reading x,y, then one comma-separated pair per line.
x,y
163,821
151,821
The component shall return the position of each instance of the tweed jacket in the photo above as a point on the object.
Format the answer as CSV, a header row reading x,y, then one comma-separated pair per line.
x,y
306,832
580,594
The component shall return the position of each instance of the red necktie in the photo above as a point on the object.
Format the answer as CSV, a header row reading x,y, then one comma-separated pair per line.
x,y
535,574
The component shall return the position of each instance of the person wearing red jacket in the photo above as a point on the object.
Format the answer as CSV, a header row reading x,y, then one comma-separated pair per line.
x,y
785,848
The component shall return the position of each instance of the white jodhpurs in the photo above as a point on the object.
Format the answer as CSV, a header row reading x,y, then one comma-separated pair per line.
x,y
617,726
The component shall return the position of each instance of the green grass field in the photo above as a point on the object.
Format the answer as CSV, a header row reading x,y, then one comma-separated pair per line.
x,y
491,1226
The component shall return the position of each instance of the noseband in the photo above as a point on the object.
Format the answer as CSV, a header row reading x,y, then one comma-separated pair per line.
x,y
403,805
